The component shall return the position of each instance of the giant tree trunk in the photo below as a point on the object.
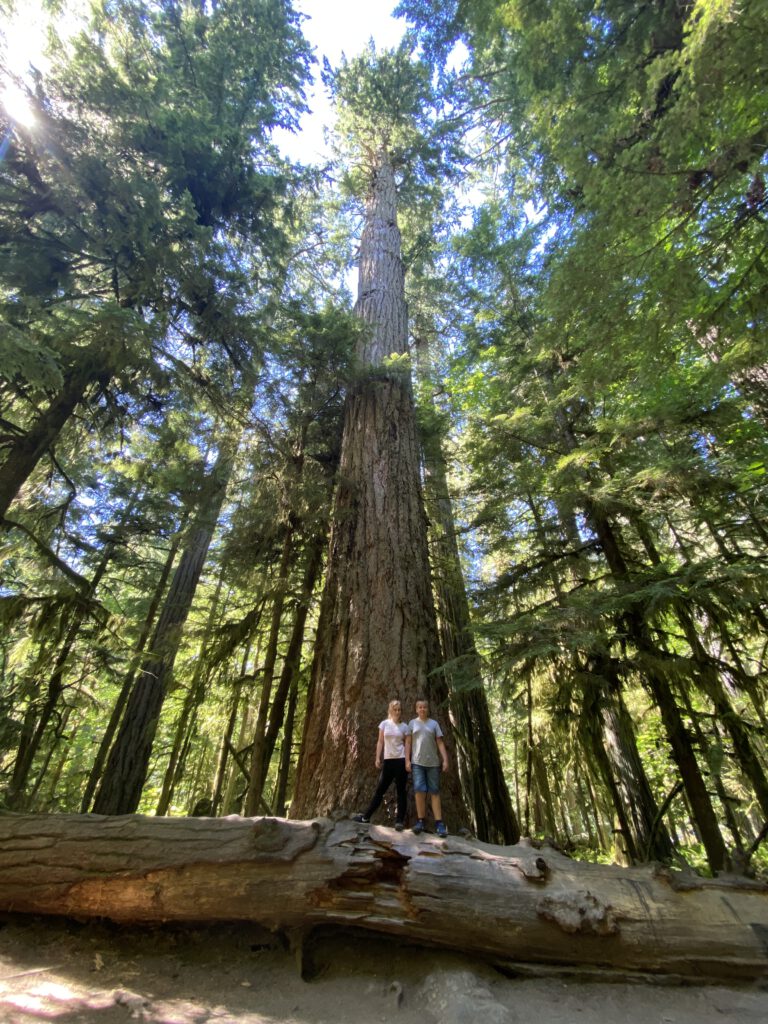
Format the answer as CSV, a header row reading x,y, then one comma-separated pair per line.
x,y
377,635
126,770
513,904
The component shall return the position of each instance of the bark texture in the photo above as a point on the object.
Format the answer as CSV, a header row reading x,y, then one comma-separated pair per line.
x,y
513,904
377,633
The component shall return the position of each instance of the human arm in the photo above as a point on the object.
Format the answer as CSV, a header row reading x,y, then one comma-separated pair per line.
x,y
443,752
380,748
408,752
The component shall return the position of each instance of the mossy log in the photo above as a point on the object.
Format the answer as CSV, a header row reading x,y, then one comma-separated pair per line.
x,y
512,904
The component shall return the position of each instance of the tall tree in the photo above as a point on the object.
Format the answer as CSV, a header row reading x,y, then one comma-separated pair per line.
x,y
148,162
377,635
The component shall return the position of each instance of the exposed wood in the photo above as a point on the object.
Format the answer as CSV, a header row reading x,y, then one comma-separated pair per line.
x,y
512,904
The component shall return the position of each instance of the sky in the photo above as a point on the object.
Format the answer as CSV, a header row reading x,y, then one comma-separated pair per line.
x,y
334,27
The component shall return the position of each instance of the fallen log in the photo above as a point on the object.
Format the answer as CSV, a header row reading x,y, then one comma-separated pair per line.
x,y
512,904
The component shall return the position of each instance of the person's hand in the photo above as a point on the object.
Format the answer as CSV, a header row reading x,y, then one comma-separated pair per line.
x,y
445,766
407,766
378,762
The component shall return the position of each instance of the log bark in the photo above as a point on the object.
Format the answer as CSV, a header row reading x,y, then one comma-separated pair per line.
x,y
512,904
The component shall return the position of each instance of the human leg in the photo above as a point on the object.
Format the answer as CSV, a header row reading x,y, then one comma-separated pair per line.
x,y
401,783
418,773
385,781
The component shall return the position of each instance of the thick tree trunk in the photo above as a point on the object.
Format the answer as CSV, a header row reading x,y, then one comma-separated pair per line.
x,y
377,634
126,770
511,904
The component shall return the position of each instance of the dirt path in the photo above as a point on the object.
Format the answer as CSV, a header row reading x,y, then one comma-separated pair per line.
x,y
57,971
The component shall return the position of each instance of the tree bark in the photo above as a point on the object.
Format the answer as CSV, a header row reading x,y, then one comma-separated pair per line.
x,y
510,904
377,633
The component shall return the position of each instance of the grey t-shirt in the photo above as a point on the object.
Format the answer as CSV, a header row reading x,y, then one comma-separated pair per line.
x,y
424,745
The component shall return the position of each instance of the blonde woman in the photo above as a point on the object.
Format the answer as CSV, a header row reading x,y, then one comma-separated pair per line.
x,y
390,759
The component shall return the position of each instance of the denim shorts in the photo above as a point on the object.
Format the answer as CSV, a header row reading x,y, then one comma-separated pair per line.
x,y
425,779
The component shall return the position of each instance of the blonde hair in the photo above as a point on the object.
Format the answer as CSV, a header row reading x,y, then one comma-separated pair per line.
x,y
392,704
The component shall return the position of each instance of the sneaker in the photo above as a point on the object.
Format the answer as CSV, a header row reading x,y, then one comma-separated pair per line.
x,y
362,819
399,826
418,828
441,830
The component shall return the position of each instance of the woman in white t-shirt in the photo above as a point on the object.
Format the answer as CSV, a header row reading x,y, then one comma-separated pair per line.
x,y
390,758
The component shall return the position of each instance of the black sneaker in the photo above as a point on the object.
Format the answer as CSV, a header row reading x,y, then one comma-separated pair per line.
x,y
362,819
399,826
418,828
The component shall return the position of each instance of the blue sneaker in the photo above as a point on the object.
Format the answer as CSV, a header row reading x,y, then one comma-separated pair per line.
x,y
441,830
418,828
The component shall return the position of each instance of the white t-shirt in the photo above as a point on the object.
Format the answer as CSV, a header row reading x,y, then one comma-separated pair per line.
x,y
425,737
394,738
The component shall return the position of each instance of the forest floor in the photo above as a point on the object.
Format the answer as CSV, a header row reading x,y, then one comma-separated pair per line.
x,y
61,972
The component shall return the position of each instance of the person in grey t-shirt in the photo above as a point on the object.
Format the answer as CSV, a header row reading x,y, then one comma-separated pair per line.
x,y
425,754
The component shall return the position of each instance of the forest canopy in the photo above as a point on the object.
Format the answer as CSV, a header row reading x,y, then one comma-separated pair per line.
x,y
523,474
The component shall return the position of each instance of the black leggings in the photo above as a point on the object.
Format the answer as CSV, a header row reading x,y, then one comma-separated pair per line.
x,y
393,770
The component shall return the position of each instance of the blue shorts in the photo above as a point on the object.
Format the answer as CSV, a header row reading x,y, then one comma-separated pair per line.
x,y
425,779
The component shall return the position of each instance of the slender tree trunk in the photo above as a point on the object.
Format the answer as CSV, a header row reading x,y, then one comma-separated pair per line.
x,y
660,689
226,740
27,450
126,770
291,666
286,749
55,684
647,838
481,773
259,764
712,685
529,745
192,700
377,634
116,714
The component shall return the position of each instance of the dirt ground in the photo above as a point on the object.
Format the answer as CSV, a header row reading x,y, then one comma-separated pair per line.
x,y
69,973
